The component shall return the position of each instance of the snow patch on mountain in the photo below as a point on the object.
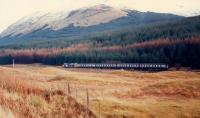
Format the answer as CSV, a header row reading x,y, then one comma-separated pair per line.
x,y
56,21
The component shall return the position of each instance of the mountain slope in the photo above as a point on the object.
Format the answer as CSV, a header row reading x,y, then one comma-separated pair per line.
x,y
174,43
93,19
56,21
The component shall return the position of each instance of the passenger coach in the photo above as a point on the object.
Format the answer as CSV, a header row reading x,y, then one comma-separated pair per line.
x,y
139,66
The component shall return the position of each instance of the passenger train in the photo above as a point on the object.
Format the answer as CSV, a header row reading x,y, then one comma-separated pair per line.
x,y
135,66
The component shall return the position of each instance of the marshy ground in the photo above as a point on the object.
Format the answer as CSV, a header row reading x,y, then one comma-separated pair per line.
x,y
39,91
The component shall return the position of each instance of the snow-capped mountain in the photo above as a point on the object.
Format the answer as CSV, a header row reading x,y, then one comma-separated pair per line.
x,y
31,23
56,21
98,17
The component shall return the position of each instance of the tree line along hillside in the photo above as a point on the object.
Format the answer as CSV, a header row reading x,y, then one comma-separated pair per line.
x,y
175,43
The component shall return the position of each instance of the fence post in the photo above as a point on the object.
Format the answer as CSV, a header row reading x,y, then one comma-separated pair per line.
x,y
13,63
68,89
13,68
87,93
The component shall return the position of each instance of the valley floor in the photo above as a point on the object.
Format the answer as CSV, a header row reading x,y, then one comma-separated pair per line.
x,y
104,93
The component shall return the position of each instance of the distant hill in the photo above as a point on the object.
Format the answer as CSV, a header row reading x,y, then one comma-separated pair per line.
x,y
175,29
51,26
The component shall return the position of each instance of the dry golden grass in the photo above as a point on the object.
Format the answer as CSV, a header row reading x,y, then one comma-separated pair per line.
x,y
41,91
6,113
25,98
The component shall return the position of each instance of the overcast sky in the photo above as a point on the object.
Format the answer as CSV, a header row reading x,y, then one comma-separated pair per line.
x,y
13,10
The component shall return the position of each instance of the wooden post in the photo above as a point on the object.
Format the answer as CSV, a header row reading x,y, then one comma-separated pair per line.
x,y
87,93
68,88
13,63
13,68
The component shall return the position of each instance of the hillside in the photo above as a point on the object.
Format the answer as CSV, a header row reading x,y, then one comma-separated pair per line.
x,y
52,26
178,29
176,43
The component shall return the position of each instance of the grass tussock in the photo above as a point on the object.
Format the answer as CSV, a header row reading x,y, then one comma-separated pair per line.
x,y
186,89
60,78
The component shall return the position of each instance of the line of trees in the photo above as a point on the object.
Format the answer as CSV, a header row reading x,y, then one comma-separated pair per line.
x,y
185,53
